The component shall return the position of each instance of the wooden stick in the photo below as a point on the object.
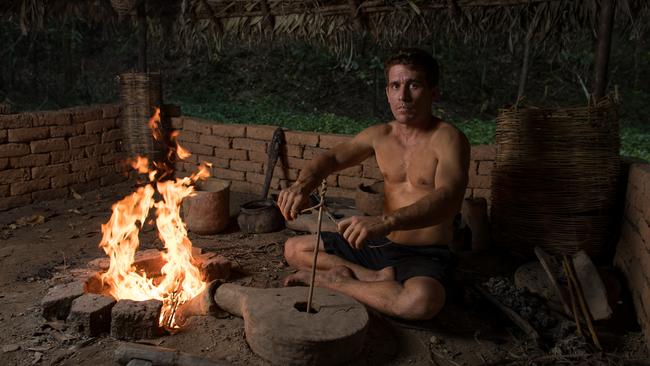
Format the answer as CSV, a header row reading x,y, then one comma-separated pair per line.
x,y
313,264
574,309
583,304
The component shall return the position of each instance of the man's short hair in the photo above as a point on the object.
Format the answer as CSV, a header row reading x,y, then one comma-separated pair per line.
x,y
416,58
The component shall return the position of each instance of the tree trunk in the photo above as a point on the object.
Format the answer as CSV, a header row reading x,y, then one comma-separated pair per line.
x,y
605,20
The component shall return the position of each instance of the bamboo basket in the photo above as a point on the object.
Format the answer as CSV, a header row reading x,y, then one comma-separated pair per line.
x,y
140,94
555,178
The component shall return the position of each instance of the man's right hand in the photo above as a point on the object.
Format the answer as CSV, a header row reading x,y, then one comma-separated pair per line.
x,y
291,200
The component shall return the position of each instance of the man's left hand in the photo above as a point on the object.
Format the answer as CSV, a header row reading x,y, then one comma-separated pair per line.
x,y
357,229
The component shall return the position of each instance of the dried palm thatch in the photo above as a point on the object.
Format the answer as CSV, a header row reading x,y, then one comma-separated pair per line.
x,y
555,178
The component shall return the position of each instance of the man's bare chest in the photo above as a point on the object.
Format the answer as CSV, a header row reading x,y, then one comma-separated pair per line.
x,y
414,165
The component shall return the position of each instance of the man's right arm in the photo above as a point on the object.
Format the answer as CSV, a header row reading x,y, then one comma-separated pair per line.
x,y
342,156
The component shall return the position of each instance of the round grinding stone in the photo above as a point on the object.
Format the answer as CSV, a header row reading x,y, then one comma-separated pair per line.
x,y
279,329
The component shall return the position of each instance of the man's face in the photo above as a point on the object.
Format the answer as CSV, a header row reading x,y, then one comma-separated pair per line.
x,y
409,94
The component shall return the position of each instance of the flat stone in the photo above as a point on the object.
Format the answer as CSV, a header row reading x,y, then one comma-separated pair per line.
x,y
135,319
90,314
279,329
10,348
56,304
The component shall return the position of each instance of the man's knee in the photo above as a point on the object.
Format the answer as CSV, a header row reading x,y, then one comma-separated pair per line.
x,y
421,300
293,247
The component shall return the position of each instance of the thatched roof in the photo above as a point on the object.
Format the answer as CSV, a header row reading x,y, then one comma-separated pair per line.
x,y
337,22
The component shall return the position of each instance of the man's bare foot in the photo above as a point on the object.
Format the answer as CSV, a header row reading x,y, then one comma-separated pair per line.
x,y
300,278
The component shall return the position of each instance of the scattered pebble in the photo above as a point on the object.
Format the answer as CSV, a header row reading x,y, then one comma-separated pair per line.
x,y
435,340
10,348
37,357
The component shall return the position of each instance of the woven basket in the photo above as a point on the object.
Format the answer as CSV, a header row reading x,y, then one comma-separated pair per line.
x,y
140,94
555,178
124,7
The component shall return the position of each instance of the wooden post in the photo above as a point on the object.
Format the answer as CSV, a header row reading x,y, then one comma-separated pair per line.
x,y
525,63
142,36
605,22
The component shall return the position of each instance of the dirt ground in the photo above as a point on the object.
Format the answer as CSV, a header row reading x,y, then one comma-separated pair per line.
x,y
38,255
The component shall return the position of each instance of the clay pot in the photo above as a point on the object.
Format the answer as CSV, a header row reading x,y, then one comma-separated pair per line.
x,y
370,199
208,211
261,216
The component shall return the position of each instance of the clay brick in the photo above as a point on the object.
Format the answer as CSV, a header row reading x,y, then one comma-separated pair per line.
x,y
353,182
9,150
260,132
112,179
285,173
258,156
85,114
28,134
292,150
372,172
4,163
246,187
485,167
353,171
98,172
228,174
85,186
213,266
194,158
29,186
177,123
331,140
469,193
83,164
483,152
90,314
483,193
44,146
189,136
14,175
110,110
56,304
4,190
3,136
260,178
249,144
341,192
295,163
51,118
197,125
112,135
83,140
101,125
229,130
216,141
68,179
313,152
216,162
100,149
66,156
332,180
246,166
66,131
49,194
50,170
231,154
480,181
29,161
199,148
135,319
301,138
22,120
14,201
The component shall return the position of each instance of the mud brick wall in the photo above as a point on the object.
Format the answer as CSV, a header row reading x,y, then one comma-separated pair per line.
x,y
239,154
45,154
633,248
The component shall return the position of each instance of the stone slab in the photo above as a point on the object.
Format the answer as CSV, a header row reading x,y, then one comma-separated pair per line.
x,y
90,314
135,319
56,303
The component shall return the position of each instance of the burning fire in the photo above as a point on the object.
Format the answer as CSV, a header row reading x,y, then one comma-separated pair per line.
x,y
180,278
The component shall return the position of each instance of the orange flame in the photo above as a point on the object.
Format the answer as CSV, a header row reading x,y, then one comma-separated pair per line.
x,y
180,278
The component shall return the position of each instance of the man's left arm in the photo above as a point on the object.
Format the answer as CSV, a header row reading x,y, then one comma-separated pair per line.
x,y
443,203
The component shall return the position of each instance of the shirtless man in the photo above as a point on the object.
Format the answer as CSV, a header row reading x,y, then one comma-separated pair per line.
x,y
397,263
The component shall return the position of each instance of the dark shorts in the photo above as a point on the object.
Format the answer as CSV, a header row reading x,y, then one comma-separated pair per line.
x,y
435,261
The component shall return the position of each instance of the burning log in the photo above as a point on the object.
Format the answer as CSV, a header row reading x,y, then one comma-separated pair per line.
x,y
160,356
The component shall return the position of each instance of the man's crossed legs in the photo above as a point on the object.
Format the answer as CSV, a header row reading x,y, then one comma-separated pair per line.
x,y
417,298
